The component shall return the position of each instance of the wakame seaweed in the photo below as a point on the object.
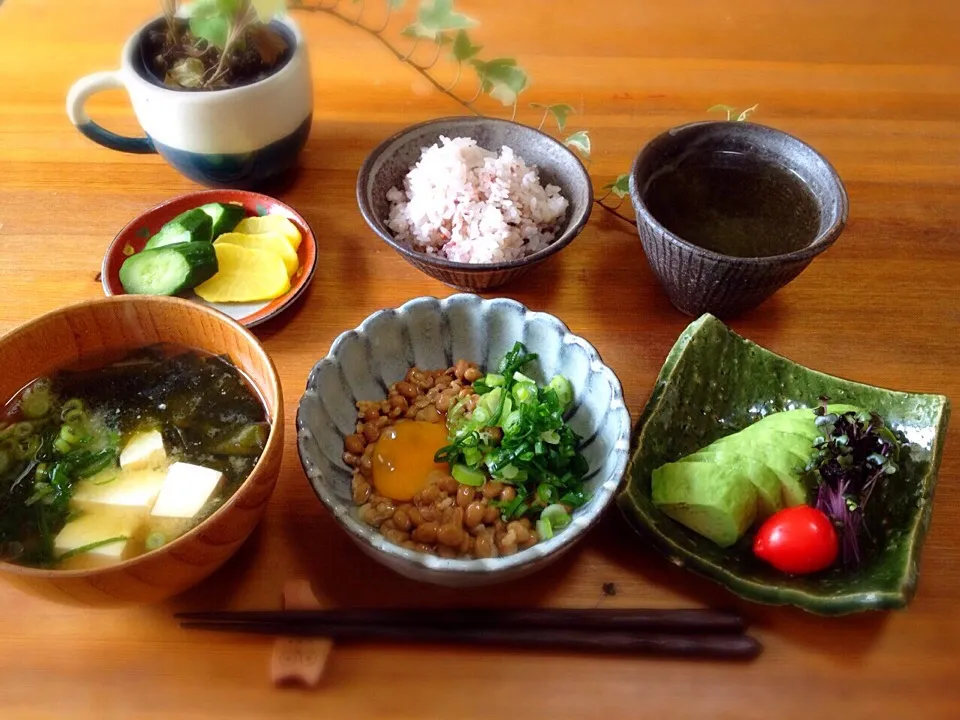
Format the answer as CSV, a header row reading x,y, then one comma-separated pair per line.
x,y
71,426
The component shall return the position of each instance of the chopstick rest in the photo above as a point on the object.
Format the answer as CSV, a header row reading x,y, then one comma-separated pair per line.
x,y
299,660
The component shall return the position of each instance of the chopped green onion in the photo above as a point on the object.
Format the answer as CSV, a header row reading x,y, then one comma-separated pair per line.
x,y
75,416
509,508
493,380
481,388
547,494
69,406
523,379
544,529
71,435
481,416
472,456
524,392
62,446
27,448
40,490
468,476
36,400
92,546
564,390
97,462
550,436
59,477
22,430
155,540
107,480
509,472
575,499
556,515
512,420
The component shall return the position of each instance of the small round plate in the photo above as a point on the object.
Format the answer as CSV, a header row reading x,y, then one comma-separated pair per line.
x,y
136,233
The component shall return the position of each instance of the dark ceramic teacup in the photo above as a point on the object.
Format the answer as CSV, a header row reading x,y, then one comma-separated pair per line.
x,y
237,137
700,280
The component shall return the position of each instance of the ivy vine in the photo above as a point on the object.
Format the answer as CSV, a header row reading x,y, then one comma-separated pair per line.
x,y
439,26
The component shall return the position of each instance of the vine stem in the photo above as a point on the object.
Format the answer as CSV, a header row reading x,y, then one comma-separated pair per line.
x,y
543,119
614,211
374,33
448,91
456,78
436,57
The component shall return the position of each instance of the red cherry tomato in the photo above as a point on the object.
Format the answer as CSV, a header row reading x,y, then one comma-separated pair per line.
x,y
797,540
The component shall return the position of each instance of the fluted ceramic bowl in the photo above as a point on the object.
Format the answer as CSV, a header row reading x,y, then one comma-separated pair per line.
x,y
430,334
389,163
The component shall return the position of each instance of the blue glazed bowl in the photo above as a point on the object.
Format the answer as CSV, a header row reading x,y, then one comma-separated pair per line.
x,y
430,334
240,137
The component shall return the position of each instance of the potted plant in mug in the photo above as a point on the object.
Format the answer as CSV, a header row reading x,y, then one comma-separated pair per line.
x,y
221,87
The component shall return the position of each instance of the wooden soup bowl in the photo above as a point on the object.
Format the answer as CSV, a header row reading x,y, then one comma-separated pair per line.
x,y
63,337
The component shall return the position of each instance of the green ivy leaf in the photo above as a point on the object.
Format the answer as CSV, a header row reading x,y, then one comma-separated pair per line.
x,y
579,141
128,250
441,16
268,9
619,187
463,49
560,111
187,73
210,21
501,78
416,30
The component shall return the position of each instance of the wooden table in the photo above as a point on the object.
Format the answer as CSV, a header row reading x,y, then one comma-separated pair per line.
x,y
873,84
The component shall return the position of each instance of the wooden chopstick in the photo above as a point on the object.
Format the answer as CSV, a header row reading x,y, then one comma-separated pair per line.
x,y
660,621
729,646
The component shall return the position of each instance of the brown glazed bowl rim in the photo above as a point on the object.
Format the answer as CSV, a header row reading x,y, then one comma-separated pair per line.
x,y
825,238
573,228
274,379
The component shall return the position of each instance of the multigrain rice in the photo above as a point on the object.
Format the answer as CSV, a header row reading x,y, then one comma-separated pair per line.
x,y
467,204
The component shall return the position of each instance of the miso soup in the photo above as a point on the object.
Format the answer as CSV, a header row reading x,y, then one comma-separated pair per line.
x,y
105,461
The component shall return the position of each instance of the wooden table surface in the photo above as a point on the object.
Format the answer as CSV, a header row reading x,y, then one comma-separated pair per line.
x,y
873,84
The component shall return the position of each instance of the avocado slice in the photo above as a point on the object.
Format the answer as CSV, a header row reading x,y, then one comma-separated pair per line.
x,y
801,421
765,480
716,501
787,467
786,454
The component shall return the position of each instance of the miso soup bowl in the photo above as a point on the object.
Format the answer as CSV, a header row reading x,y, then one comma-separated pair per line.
x,y
66,336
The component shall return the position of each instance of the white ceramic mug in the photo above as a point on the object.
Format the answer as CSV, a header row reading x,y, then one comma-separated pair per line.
x,y
239,137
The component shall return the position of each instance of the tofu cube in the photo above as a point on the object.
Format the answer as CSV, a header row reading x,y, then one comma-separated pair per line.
x,y
185,491
92,527
143,451
119,488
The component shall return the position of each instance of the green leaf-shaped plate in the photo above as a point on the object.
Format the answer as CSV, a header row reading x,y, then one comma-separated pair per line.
x,y
715,382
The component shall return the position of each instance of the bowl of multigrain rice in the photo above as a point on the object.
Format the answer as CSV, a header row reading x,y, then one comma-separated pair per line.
x,y
474,202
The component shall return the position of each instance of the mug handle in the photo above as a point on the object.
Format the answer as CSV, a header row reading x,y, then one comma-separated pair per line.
x,y
76,100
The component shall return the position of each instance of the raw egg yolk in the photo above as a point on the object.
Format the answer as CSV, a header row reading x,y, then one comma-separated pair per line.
x,y
403,458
